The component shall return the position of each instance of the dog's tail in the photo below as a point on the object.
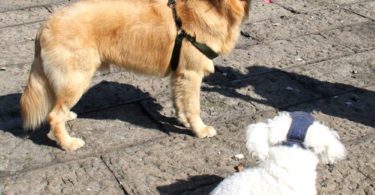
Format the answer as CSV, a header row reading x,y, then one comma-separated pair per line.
x,y
37,99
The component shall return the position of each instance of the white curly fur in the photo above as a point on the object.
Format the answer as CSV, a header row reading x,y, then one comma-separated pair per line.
x,y
282,169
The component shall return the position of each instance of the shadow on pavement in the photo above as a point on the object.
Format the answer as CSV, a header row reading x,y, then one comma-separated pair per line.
x,y
289,91
106,100
110,100
195,185
272,88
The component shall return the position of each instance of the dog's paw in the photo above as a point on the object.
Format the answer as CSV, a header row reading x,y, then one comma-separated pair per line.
x,y
208,131
182,119
71,116
73,144
51,136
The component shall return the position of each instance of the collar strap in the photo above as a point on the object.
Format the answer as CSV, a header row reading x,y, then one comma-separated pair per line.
x,y
203,48
172,5
301,121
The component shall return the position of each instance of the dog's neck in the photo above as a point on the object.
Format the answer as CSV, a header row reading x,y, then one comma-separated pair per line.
x,y
292,166
212,23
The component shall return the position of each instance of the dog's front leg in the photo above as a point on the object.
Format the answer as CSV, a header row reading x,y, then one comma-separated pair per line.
x,y
186,95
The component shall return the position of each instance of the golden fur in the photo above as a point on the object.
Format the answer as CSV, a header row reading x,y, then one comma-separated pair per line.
x,y
137,35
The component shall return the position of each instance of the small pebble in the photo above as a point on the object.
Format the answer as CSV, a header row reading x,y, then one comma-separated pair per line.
x,y
289,88
239,156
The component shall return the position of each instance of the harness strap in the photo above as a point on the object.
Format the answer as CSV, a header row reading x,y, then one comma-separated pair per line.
x,y
301,121
203,48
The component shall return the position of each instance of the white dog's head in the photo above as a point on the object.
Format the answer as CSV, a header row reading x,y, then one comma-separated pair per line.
x,y
324,142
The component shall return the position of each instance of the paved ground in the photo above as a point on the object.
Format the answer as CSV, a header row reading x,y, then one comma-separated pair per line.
x,y
292,55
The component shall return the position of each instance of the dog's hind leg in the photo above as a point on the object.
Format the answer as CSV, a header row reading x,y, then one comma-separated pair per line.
x,y
186,94
66,97
70,76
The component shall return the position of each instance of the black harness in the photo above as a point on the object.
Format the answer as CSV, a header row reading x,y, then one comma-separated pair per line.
x,y
301,121
206,50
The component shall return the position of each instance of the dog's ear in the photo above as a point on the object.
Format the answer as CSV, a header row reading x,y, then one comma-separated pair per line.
x,y
257,141
325,143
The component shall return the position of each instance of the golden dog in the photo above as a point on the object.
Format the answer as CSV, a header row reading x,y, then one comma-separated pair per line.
x,y
138,35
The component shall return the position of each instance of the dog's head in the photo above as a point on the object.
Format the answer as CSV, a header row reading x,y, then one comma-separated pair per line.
x,y
233,9
320,139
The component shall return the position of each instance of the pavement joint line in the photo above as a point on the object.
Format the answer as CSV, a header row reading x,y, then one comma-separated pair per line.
x,y
34,6
58,162
123,188
259,41
48,8
152,118
365,175
361,15
131,101
338,6
23,24
281,108
313,33
251,76
291,10
322,95
250,47
100,154
325,97
364,138
18,65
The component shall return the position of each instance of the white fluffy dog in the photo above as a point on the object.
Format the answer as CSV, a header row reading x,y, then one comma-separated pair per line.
x,y
288,149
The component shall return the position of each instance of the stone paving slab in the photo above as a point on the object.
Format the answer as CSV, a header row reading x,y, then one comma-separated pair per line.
x,y
356,106
303,6
315,56
359,37
19,17
366,9
105,130
88,176
285,54
302,50
355,175
181,162
261,11
11,5
34,14
297,25
18,34
354,71
187,168
21,54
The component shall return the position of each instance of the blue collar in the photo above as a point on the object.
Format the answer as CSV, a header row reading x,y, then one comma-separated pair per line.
x,y
301,121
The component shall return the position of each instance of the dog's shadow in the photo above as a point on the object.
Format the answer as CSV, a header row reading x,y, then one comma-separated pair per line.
x,y
272,85
195,185
105,100
112,95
